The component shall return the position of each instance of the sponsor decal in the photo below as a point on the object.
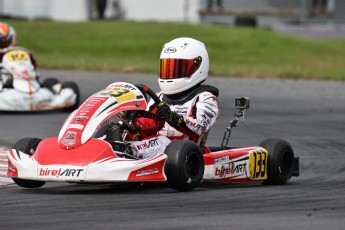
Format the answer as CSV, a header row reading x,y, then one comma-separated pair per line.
x,y
210,115
69,139
231,169
147,172
60,172
170,50
121,85
221,160
75,126
210,110
81,118
181,110
84,111
225,168
148,144
95,100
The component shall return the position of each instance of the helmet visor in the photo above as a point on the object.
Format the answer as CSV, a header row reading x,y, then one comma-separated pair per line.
x,y
172,68
5,42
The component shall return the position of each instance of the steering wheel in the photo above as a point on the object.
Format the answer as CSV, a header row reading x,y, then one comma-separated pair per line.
x,y
147,91
145,114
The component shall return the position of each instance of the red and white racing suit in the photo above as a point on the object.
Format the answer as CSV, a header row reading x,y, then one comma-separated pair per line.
x,y
199,113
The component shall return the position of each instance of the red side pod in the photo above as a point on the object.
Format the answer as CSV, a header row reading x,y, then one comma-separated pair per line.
x,y
152,172
232,165
49,152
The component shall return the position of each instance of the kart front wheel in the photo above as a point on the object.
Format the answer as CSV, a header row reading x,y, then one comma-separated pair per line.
x,y
184,167
28,146
28,183
280,163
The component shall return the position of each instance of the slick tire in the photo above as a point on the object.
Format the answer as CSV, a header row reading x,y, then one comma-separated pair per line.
x,y
28,146
72,85
184,167
280,163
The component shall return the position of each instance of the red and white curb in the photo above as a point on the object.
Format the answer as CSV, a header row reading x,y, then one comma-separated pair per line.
x,y
4,179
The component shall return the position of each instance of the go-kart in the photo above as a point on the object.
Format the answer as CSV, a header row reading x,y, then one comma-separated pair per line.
x,y
22,91
90,149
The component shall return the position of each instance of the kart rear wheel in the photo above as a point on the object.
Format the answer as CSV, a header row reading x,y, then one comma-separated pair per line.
x,y
49,84
28,146
280,163
184,167
72,85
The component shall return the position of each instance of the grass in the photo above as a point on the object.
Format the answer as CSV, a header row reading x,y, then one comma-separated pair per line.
x,y
135,47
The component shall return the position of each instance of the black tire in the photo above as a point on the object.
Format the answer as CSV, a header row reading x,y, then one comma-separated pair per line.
x,y
184,167
280,163
28,146
49,83
75,88
8,83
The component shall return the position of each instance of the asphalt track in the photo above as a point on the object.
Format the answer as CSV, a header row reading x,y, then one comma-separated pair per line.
x,y
309,114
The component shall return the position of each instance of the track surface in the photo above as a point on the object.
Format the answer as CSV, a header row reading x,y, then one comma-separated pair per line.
x,y
310,115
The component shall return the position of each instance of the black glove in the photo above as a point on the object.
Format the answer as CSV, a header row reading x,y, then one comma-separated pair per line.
x,y
174,119
163,111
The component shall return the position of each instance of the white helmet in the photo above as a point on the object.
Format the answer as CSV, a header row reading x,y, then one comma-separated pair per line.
x,y
184,63
7,37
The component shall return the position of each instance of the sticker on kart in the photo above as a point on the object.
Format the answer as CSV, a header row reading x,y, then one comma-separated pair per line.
x,y
258,164
235,168
17,56
121,94
63,172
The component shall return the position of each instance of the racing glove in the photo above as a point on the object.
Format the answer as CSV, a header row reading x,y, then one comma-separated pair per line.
x,y
174,119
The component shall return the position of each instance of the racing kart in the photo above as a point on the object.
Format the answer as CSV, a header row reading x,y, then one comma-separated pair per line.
x,y
90,149
22,91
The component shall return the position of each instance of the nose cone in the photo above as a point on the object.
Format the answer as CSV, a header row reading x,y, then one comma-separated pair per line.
x,y
49,153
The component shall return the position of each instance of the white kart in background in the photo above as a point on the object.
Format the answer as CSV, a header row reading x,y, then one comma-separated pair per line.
x,y
21,90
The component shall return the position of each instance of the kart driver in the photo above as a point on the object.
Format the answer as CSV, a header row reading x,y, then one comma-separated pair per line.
x,y
8,41
17,61
187,106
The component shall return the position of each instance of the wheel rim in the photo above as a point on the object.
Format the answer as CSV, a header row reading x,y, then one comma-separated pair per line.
x,y
192,165
286,163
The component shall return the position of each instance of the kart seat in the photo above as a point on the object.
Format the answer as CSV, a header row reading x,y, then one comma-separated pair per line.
x,y
202,138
